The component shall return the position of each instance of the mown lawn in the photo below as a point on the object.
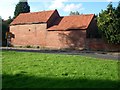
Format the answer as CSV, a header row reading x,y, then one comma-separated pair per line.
x,y
36,70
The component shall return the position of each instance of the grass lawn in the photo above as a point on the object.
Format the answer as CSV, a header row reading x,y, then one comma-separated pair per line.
x,y
37,70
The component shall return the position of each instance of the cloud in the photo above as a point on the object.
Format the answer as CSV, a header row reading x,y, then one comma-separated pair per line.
x,y
7,8
73,7
110,0
57,4
65,6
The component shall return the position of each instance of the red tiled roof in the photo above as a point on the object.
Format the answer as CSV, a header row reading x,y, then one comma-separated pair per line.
x,y
35,17
73,22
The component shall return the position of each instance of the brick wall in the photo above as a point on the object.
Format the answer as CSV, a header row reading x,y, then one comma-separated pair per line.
x,y
66,39
99,44
92,31
37,35
53,18
32,34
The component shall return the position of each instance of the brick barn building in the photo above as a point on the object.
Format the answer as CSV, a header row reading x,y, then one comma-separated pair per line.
x,y
49,29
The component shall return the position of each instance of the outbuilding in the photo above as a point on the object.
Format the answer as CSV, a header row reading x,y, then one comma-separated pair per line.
x,y
49,29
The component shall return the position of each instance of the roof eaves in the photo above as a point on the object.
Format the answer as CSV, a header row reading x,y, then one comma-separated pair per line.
x,y
28,23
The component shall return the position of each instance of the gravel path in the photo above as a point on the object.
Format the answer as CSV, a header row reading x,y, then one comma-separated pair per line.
x,y
96,54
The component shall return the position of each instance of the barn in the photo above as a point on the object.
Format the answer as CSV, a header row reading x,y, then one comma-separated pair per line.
x,y
49,29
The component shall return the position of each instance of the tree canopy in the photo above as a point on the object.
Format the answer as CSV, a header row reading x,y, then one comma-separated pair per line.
x,y
5,28
21,7
109,23
74,13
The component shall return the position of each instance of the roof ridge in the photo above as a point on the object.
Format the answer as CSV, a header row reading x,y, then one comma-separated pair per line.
x,y
39,12
77,21
33,17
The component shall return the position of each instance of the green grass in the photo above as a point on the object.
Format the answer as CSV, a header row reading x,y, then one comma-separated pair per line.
x,y
36,70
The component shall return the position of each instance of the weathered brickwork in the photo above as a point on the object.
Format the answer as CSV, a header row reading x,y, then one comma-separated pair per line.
x,y
66,39
32,34
99,44
49,29
37,35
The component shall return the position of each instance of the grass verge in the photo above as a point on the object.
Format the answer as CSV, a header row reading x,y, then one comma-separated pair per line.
x,y
37,70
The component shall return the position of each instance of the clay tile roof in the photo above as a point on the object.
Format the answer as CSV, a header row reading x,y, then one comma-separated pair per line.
x,y
73,22
34,17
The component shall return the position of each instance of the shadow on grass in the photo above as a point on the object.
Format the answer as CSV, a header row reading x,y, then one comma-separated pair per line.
x,y
23,81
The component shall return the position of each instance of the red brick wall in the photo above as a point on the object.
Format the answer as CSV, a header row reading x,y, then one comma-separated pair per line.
x,y
36,35
99,44
33,34
92,31
66,39
52,19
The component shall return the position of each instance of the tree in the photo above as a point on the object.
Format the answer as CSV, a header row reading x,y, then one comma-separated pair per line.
x,y
21,7
0,30
77,13
118,10
108,24
74,13
9,20
5,29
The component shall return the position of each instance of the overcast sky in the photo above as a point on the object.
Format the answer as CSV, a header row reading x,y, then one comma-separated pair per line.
x,y
7,7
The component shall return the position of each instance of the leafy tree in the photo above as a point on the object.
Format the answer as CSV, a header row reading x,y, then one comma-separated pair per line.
x,y
118,10
0,30
108,24
9,20
5,28
77,13
74,13
21,7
